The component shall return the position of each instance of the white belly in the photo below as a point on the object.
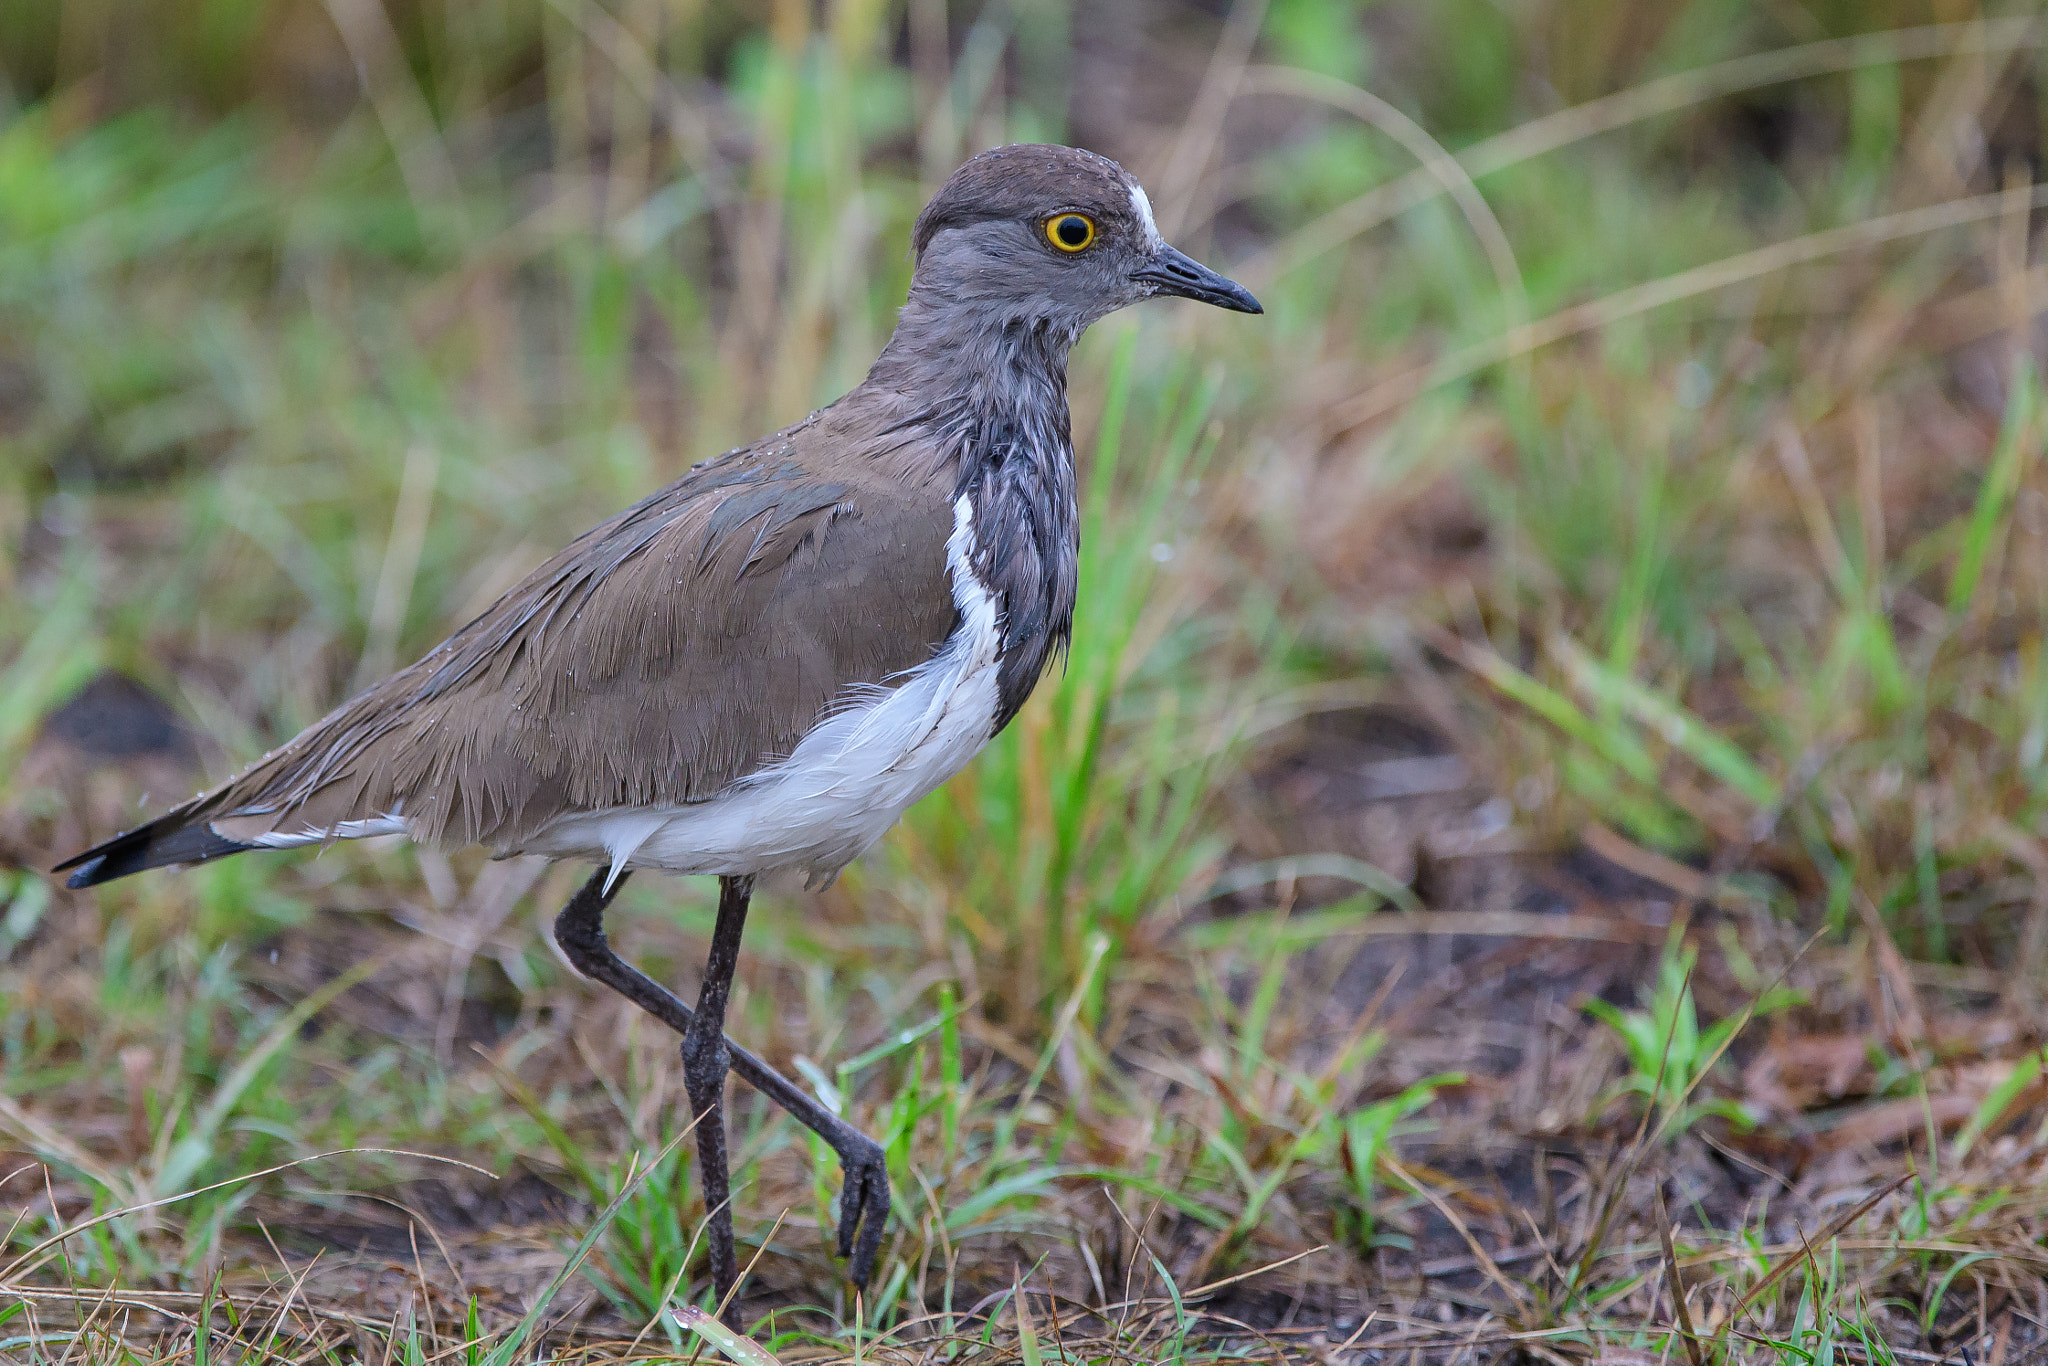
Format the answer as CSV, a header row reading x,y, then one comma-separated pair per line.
x,y
847,781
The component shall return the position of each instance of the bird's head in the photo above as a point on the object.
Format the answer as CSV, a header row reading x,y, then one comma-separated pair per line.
x,y
1052,235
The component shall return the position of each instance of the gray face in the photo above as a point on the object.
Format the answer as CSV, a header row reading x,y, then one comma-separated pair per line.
x,y
1052,236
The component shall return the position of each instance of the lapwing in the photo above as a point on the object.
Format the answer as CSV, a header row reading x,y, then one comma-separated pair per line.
x,y
761,666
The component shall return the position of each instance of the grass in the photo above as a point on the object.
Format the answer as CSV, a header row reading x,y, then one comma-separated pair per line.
x,y
1534,848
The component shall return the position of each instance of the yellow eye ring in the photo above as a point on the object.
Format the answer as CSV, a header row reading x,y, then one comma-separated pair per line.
x,y
1070,232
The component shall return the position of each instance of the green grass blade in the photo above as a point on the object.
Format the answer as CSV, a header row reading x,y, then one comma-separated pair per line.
x,y
507,1351
197,1146
1679,728
1995,494
738,1349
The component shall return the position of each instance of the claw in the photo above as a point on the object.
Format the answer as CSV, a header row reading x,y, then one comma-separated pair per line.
x,y
863,1209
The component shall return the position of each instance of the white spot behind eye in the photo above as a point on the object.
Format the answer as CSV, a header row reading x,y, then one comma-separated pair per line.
x,y
1142,206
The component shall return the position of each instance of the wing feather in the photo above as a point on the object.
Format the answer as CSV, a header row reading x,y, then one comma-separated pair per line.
x,y
667,653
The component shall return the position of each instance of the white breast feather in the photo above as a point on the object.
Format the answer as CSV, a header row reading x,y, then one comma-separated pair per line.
x,y
846,782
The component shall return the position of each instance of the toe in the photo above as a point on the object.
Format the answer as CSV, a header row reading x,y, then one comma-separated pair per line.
x,y
863,1213
850,1207
870,1243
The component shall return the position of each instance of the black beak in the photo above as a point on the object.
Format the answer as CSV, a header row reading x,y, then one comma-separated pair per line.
x,y
1174,272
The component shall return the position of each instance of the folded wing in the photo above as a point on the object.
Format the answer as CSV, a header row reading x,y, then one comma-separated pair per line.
x,y
664,655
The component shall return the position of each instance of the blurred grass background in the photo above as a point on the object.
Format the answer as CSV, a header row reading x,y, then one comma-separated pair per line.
x,y
1644,430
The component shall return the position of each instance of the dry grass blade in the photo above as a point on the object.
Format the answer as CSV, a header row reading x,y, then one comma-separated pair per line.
x,y
1516,1294
1196,141
402,110
747,1271
1628,303
1748,1012
1202,1291
1665,95
1835,1226
1690,884
1616,1182
1445,169
1898,1009
399,569
1813,506
45,1137
1679,1308
1669,94
1351,1341
1600,929
685,120
26,1261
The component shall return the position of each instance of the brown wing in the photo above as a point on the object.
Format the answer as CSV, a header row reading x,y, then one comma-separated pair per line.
x,y
676,648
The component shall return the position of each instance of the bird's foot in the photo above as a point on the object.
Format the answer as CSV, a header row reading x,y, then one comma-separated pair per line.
x,y
863,1204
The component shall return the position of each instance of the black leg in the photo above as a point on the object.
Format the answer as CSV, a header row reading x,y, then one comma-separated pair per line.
x,y
864,1200
705,1063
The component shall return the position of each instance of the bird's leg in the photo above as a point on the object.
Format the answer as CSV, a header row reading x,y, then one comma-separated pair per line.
x,y
705,1063
864,1200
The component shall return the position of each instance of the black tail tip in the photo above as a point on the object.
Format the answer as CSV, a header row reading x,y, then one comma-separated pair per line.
x,y
156,845
86,874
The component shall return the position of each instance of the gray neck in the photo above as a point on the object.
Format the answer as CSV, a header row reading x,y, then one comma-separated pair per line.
x,y
992,384
980,351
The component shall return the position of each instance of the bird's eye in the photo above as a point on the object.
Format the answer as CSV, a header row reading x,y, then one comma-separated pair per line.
x,y
1070,231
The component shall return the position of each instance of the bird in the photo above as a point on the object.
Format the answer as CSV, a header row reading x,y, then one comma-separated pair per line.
x,y
760,667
